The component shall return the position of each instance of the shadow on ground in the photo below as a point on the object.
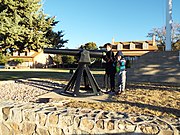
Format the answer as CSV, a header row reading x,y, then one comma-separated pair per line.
x,y
154,86
167,110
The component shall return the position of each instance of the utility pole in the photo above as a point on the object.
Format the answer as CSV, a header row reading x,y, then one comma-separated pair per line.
x,y
168,24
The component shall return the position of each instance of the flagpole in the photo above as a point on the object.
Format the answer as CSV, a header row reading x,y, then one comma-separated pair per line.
x,y
168,24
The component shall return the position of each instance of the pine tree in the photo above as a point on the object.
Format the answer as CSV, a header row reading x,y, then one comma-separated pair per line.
x,y
23,25
55,38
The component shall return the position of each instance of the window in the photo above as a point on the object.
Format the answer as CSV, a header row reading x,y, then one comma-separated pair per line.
x,y
132,46
145,45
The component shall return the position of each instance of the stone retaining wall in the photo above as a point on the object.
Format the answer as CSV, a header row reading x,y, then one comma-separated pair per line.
x,y
54,119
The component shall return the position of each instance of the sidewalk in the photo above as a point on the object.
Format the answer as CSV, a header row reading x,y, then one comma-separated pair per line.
x,y
51,96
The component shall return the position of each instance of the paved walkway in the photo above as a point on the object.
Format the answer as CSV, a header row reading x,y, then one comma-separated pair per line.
x,y
55,95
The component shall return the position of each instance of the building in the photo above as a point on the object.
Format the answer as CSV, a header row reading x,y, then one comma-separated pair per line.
x,y
31,59
134,48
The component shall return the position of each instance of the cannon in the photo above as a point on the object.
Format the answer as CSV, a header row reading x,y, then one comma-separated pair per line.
x,y
82,72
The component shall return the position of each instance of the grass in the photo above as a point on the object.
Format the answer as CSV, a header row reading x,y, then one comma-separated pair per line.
x,y
54,74
12,74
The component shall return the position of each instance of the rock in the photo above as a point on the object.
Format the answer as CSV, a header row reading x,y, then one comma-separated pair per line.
x,y
5,130
28,128
86,124
100,124
149,128
42,117
16,115
54,130
15,128
42,131
110,125
5,112
166,132
53,119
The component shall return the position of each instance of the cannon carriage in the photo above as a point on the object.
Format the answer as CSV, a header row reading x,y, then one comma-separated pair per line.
x,y
82,72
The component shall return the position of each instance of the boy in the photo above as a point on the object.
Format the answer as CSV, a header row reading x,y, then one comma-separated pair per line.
x,y
121,71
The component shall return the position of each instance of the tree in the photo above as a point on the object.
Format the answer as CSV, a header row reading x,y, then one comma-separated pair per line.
x,y
18,61
56,39
68,59
89,46
160,34
3,58
23,25
176,46
57,59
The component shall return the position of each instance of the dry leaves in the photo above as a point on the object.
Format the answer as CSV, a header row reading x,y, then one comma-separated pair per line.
x,y
141,98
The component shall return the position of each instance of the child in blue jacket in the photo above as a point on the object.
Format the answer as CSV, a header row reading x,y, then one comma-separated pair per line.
x,y
121,71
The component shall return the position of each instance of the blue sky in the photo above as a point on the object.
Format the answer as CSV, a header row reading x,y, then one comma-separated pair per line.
x,y
99,21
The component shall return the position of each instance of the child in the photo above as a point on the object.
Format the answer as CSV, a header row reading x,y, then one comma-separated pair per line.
x,y
121,71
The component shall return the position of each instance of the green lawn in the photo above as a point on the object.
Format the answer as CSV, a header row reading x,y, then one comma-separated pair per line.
x,y
11,74
54,74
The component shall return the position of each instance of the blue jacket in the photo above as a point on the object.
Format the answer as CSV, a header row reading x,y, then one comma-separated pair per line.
x,y
121,65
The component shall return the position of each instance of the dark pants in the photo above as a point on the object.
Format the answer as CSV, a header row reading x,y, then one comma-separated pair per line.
x,y
109,78
110,75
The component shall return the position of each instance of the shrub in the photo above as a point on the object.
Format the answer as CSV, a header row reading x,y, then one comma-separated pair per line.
x,y
18,61
3,59
128,63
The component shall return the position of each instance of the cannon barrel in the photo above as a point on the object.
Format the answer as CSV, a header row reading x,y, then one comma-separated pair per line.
x,y
75,52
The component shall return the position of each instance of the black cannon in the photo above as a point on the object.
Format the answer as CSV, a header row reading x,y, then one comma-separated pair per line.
x,y
90,84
